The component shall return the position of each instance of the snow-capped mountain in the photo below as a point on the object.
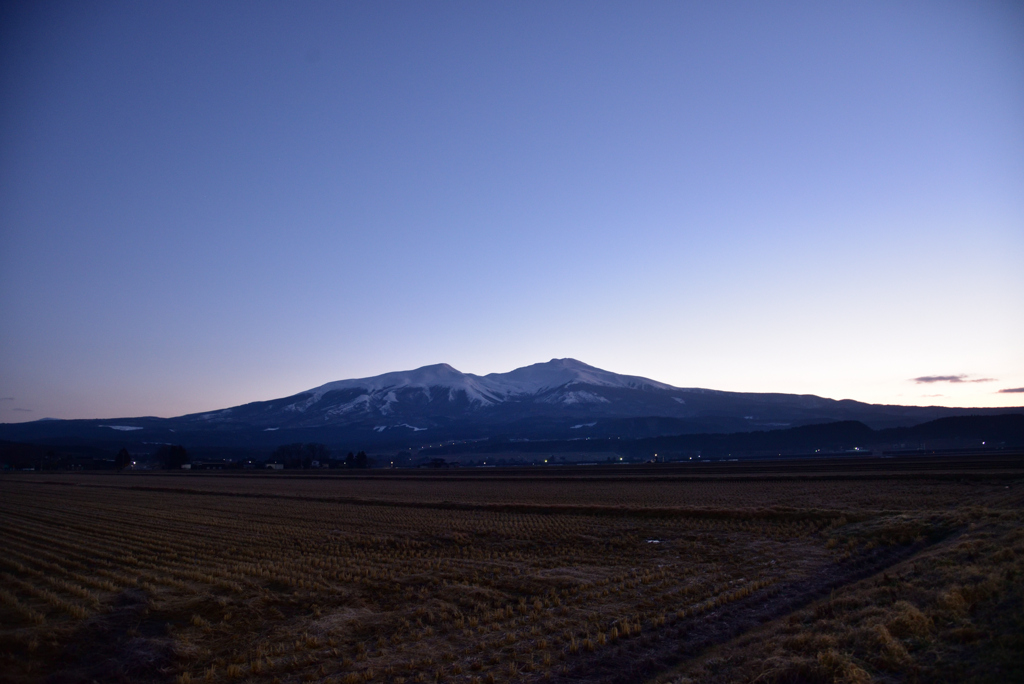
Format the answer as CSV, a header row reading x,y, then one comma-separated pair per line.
x,y
442,392
563,396
560,399
495,388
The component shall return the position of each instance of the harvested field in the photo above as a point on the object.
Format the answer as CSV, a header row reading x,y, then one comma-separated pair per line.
x,y
574,574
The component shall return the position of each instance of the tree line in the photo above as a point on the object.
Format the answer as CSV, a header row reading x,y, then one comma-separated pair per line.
x,y
298,456
315,455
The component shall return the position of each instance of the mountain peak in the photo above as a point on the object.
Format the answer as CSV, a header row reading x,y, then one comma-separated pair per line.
x,y
438,374
434,370
558,372
569,363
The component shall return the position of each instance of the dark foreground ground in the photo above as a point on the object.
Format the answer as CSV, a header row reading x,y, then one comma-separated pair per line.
x,y
858,570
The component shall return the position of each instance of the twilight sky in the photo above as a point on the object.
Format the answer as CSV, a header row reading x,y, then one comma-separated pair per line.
x,y
204,204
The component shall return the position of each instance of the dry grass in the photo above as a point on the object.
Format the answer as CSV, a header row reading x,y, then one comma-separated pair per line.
x,y
256,579
954,613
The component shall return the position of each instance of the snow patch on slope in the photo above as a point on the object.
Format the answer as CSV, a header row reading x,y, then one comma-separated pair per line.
x,y
579,397
382,428
360,403
301,406
389,399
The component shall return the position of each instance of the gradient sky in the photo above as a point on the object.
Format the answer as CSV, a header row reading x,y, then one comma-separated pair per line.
x,y
204,204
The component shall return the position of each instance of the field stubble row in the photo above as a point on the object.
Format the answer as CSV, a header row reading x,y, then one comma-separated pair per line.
x,y
878,493
261,588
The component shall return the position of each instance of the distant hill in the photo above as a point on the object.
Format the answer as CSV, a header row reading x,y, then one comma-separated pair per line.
x,y
956,433
562,399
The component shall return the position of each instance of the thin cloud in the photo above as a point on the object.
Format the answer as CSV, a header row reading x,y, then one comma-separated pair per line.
x,y
1015,390
927,379
22,410
6,398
